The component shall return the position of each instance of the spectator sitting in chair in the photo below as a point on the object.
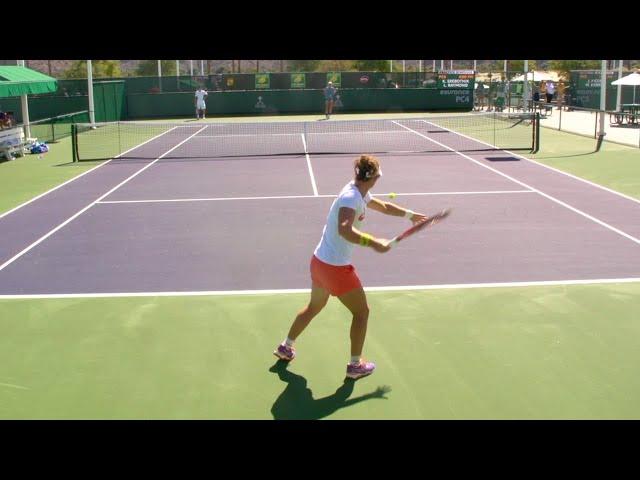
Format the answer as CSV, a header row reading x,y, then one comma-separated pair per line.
x,y
6,120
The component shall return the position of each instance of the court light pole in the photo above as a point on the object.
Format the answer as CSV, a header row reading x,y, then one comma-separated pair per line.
x,y
603,102
24,104
191,67
92,115
619,95
525,87
160,74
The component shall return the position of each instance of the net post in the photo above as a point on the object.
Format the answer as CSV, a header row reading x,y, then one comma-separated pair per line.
x,y
53,131
536,133
74,141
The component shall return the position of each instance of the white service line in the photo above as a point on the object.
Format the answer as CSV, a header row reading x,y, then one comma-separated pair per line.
x,y
307,290
545,166
267,134
553,199
288,197
78,176
306,154
44,237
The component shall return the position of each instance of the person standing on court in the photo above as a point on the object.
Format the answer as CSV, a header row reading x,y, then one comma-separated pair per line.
x,y
331,269
329,99
551,89
201,106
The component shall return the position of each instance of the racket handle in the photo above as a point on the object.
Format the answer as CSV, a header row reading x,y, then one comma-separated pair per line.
x,y
392,243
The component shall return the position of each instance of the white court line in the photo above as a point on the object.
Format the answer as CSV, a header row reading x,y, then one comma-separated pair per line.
x,y
78,176
306,154
307,290
288,197
543,165
44,237
553,199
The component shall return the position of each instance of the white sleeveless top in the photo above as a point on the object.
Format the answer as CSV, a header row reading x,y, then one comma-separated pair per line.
x,y
333,249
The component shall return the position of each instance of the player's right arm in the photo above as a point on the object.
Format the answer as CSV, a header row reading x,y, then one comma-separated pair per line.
x,y
346,217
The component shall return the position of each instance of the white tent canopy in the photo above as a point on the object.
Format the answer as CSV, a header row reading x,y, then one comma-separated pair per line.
x,y
631,79
536,77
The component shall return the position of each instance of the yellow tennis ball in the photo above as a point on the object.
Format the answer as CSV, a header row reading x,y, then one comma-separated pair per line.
x,y
392,195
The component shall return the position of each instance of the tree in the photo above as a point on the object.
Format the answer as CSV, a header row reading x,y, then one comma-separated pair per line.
x,y
149,68
371,65
304,65
336,65
518,65
99,69
563,67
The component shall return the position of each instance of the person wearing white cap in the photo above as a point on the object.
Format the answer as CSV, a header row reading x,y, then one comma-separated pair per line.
x,y
329,98
201,106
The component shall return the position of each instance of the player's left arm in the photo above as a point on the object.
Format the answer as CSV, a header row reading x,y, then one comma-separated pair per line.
x,y
392,209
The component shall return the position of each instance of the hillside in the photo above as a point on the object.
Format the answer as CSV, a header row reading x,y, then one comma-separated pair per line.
x,y
56,68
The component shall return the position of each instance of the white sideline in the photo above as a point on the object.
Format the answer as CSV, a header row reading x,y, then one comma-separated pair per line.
x,y
47,235
553,199
78,176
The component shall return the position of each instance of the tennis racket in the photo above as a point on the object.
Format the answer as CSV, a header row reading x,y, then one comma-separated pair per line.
x,y
427,222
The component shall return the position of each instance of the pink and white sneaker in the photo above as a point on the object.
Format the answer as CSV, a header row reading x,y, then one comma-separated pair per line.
x,y
284,352
362,369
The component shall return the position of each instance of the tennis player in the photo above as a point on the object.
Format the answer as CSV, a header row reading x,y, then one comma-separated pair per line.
x,y
329,99
201,106
331,269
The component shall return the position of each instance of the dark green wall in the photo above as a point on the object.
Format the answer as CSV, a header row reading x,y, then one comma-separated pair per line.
x,y
45,107
585,90
108,99
149,105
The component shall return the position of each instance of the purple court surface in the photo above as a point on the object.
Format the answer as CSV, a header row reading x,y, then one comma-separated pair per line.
x,y
252,223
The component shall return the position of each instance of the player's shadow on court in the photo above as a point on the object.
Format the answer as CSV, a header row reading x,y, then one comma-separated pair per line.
x,y
296,402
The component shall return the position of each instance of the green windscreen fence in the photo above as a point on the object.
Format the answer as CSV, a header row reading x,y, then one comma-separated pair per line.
x,y
110,101
109,98
584,89
54,128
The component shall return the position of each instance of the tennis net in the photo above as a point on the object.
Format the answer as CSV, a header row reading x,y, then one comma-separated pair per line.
x,y
441,133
